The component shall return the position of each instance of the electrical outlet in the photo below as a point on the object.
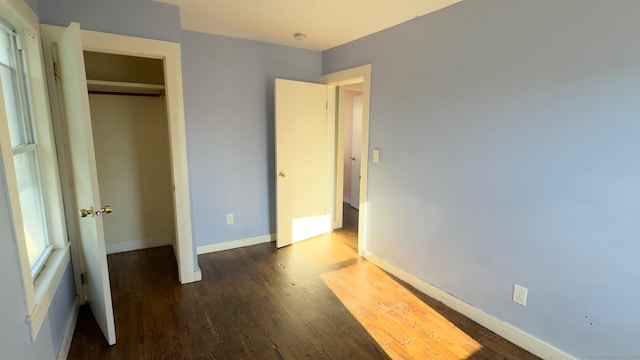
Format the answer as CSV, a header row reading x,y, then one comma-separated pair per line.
x,y
520,294
229,219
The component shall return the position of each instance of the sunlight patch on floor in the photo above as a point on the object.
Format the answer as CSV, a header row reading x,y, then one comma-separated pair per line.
x,y
403,325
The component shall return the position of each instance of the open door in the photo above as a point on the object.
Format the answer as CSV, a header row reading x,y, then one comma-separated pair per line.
x,y
85,179
303,184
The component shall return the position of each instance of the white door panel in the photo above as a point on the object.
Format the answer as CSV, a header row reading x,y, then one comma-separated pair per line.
x,y
303,184
85,178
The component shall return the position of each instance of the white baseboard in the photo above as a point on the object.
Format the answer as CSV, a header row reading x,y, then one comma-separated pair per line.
x,y
346,199
507,331
138,244
65,346
234,244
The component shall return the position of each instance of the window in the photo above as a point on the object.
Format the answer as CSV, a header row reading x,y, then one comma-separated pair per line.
x,y
29,160
25,149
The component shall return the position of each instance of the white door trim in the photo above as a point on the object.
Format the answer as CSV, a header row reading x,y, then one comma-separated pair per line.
x,y
360,74
170,53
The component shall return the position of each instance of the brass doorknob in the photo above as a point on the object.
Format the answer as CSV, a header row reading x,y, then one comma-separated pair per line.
x,y
281,174
107,209
86,212
352,158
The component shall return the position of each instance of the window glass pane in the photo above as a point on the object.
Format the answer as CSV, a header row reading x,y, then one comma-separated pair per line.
x,y
17,131
30,191
31,204
5,48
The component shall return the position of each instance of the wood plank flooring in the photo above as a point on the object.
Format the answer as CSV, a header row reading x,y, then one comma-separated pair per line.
x,y
312,300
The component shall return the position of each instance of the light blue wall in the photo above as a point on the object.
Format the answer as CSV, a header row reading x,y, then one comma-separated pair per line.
x,y
509,134
15,340
141,18
228,92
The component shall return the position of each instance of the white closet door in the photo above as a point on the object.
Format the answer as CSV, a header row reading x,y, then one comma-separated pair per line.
x,y
85,178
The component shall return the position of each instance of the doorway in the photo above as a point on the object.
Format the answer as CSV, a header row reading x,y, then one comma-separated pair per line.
x,y
69,94
299,107
131,140
350,115
357,82
168,56
350,103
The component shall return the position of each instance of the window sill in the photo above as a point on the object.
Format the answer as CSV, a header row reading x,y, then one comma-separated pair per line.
x,y
46,285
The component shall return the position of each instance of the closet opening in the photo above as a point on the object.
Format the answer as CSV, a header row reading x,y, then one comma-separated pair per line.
x,y
132,147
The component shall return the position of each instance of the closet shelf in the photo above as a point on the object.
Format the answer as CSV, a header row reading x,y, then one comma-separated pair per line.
x,y
101,86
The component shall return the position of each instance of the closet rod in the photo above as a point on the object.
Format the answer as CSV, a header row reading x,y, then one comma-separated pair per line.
x,y
123,93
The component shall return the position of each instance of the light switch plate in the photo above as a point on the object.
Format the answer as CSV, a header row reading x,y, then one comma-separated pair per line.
x,y
376,155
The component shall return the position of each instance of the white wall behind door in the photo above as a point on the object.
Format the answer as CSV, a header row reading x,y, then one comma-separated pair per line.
x,y
132,154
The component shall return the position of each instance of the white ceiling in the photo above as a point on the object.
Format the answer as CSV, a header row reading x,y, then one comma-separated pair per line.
x,y
327,23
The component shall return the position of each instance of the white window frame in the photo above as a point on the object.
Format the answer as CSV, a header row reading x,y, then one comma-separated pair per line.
x,y
38,291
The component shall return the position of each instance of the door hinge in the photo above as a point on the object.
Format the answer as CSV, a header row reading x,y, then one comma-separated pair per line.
x,y
56,73
83,278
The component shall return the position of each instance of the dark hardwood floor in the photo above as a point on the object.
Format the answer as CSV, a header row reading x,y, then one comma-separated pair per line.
x,y
312,300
